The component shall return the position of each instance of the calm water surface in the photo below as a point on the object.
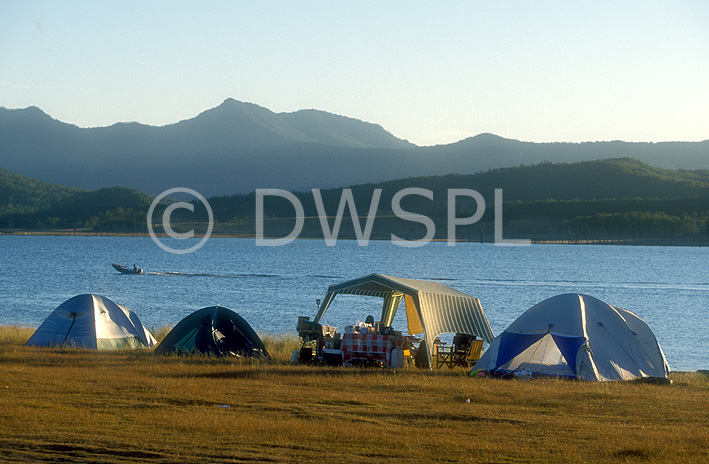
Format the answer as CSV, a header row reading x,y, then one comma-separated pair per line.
x,y
271,286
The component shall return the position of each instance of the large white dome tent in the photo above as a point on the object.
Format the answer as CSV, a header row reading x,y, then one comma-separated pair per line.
x,y
93,322
577,336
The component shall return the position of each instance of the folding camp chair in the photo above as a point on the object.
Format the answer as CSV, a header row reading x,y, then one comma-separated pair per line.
x,y
444,356
464,352
475,353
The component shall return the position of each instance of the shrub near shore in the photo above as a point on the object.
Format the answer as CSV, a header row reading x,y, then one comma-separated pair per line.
x,y
133,406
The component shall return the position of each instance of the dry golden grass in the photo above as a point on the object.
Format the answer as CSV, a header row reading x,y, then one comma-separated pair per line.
x,y
160,332
280,346
14,334
114,407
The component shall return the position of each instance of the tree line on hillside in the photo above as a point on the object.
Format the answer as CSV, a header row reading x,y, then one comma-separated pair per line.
x,y
545,182
619,198
639,224
31,204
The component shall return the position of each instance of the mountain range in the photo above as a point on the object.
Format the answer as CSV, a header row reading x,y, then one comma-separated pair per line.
x,y
238,147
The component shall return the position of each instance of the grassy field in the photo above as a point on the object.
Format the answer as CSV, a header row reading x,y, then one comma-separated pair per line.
x,y
119,407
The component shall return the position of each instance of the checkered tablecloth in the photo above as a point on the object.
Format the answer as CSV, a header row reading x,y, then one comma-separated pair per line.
x,y
369,346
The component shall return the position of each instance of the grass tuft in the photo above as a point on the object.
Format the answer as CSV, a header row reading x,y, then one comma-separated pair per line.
x,y
15,335
280,346
160,332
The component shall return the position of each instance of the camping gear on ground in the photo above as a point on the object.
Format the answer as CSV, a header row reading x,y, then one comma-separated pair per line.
x,y
126,269
314,338
577,336
464,352
94,322
332,357
397,358
431,308
214,331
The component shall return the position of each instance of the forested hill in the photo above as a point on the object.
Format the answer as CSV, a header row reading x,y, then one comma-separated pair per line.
x,y
19,194
619,199
606,198
34,204
610,178
622,178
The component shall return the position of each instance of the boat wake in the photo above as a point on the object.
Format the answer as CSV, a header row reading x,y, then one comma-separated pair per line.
x,y
203,274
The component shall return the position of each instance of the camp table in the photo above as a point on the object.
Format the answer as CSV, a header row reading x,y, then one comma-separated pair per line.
x,y
373,347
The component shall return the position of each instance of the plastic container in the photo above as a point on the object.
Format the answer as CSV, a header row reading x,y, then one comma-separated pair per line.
x,y
396,361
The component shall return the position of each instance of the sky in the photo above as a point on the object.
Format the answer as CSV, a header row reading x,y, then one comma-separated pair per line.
x,y
430,72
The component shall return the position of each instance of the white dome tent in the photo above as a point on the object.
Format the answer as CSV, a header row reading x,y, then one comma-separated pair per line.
x,y
94,322
577,336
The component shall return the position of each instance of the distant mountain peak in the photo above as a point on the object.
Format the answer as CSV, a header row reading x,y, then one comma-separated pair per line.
x,y
485,139
29,111
488,136
239,146
230,103
31,115
256,124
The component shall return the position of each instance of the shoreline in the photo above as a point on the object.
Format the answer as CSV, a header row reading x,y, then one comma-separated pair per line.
x,y
535,241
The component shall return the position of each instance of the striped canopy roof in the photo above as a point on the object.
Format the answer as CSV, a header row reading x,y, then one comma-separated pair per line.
x,y
431,307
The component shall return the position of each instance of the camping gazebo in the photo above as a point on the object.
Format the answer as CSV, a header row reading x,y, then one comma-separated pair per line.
x,y
431,307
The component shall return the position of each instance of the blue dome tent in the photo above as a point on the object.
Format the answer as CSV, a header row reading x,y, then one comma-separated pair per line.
x,y
577,336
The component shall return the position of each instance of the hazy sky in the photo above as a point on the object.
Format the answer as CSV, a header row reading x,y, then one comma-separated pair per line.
x,y
430,72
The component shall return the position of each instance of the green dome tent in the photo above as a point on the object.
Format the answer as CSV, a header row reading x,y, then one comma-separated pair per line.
x,y
214,331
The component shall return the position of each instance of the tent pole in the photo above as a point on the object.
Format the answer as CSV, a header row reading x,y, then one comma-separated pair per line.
x,y
73,319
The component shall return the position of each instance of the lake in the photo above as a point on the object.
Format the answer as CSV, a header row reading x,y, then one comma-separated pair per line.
x,y
270,287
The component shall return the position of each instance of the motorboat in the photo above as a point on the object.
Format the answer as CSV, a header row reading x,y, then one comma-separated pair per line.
x,y
127,269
